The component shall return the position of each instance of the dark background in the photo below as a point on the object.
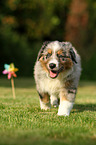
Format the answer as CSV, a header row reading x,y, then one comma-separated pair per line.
x,y
25,24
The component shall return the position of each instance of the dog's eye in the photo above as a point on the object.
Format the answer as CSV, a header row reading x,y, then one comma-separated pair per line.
x,y
57,55
63,59
48,55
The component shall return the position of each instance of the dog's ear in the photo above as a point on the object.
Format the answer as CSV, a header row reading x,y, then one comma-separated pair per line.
x,y
42,49
73,56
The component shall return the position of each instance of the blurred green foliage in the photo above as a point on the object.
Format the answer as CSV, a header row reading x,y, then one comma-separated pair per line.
x,y
25,24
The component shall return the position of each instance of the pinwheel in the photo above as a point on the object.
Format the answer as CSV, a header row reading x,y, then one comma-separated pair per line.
x,y
10,70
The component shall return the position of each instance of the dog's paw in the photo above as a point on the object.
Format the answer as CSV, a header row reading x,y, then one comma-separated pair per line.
x,y
63,112
65,108
45,106
54,103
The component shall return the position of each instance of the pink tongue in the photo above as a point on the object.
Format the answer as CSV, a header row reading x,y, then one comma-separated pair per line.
x,y
53,75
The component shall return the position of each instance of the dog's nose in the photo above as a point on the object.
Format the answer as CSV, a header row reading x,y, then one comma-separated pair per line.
x,y
52,65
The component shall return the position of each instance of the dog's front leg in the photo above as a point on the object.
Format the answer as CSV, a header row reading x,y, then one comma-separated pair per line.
x,y
44,101
54,100
66,102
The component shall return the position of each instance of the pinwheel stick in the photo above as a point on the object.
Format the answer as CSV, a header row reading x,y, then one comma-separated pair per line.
x,y
13,89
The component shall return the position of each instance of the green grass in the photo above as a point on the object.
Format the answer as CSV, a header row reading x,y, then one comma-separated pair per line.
x,y
22,122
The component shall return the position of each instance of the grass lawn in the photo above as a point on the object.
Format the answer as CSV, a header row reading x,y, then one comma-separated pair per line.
x,y
22,122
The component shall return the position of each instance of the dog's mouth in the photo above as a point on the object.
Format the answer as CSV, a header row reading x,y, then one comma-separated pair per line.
x,y
53,73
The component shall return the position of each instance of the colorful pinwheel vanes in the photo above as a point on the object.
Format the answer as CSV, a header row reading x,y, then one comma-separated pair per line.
x,y
10,70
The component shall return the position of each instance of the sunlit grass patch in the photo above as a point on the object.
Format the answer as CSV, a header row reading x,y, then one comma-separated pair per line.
x,y
23,122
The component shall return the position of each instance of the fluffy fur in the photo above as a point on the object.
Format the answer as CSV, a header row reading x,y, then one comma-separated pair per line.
x,y
57,72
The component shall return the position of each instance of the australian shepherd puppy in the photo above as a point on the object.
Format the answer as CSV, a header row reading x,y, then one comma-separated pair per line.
x,y
57,72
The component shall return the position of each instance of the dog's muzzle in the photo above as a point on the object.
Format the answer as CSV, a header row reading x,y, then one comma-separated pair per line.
x,y
52,65
53,73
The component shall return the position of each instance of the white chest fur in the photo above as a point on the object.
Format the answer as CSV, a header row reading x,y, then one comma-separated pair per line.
x,y
52,86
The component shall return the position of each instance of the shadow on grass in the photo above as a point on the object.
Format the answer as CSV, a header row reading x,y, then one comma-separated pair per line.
x,y
85,107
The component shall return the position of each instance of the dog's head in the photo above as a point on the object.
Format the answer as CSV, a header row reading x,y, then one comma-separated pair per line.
x,y
56,57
